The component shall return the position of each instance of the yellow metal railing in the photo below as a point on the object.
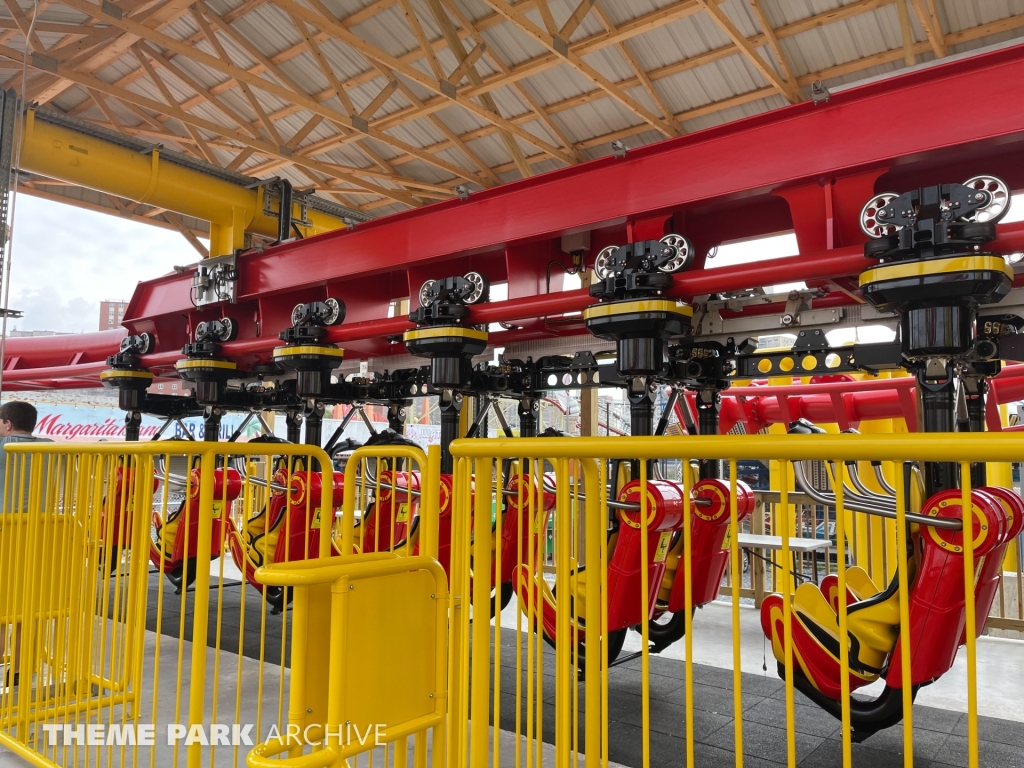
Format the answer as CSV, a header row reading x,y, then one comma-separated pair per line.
x,y
132,628
142,589
486,684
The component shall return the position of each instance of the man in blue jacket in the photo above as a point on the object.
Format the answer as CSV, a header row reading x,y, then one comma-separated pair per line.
x,y
17,420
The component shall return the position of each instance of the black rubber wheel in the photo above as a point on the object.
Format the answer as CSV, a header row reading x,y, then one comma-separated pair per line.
x,y
183,576
980,231
277,598
616,639
875,249
507,590
673,628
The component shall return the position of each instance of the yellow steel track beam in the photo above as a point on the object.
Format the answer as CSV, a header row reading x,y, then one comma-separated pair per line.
x,y
233,210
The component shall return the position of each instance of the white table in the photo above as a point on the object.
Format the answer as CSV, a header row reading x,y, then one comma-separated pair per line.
x,y
798,547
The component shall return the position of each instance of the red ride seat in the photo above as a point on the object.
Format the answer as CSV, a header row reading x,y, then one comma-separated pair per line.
x,y
936,609
709,526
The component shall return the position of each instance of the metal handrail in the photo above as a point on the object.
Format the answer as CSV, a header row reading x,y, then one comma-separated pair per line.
x,y
864,491
880,477
830,500
628,506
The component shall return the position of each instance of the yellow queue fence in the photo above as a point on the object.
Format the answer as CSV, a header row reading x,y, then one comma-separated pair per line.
x,y
542,672
371,626
134,630
143,592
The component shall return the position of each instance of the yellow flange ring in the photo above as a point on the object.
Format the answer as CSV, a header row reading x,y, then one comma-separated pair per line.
x,y
652,507
440,331
445,500
636,307
947,539
717,492
903,270
308,349
202,363
297,490
115,373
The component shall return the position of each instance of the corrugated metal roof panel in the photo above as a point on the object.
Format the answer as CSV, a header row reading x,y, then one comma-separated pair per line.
x,y
838,49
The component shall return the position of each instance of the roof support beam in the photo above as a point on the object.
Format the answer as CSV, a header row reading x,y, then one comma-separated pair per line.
x,y
242,75
787,89
169,98
24,25
467,66
575,19
36,189
396,65
490,178
638,70
196,86
261,115
773,43
176,222
342,174
421,37
907,33
929,18
468,26
560,48
379,100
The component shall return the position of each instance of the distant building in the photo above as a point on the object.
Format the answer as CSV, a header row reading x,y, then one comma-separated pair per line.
x,y
111,314
169,387
16,334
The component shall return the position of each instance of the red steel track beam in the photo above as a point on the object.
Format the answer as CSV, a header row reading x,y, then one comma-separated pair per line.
x,y
755,155
701,180
836,263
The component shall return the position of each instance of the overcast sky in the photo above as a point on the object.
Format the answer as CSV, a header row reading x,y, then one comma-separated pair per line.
x,y
67,260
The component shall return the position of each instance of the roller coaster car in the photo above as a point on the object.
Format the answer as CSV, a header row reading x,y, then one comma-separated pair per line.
x,y
288,528
390,515
710,532
987,584
936,611
118,515
523,526
860,587
410,519
386,520
174,541
393,518
625,567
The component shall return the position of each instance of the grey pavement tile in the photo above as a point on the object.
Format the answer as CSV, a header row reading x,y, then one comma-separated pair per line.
x,y
830,755
664,717
935,719
927,744
990,754
705,756
813,721
993,729
625,746
711,699
629,681
766,742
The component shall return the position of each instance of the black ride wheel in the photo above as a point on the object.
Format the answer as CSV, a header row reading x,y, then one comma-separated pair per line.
x,y
183,576
616,639
507,590
277,598
668,628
